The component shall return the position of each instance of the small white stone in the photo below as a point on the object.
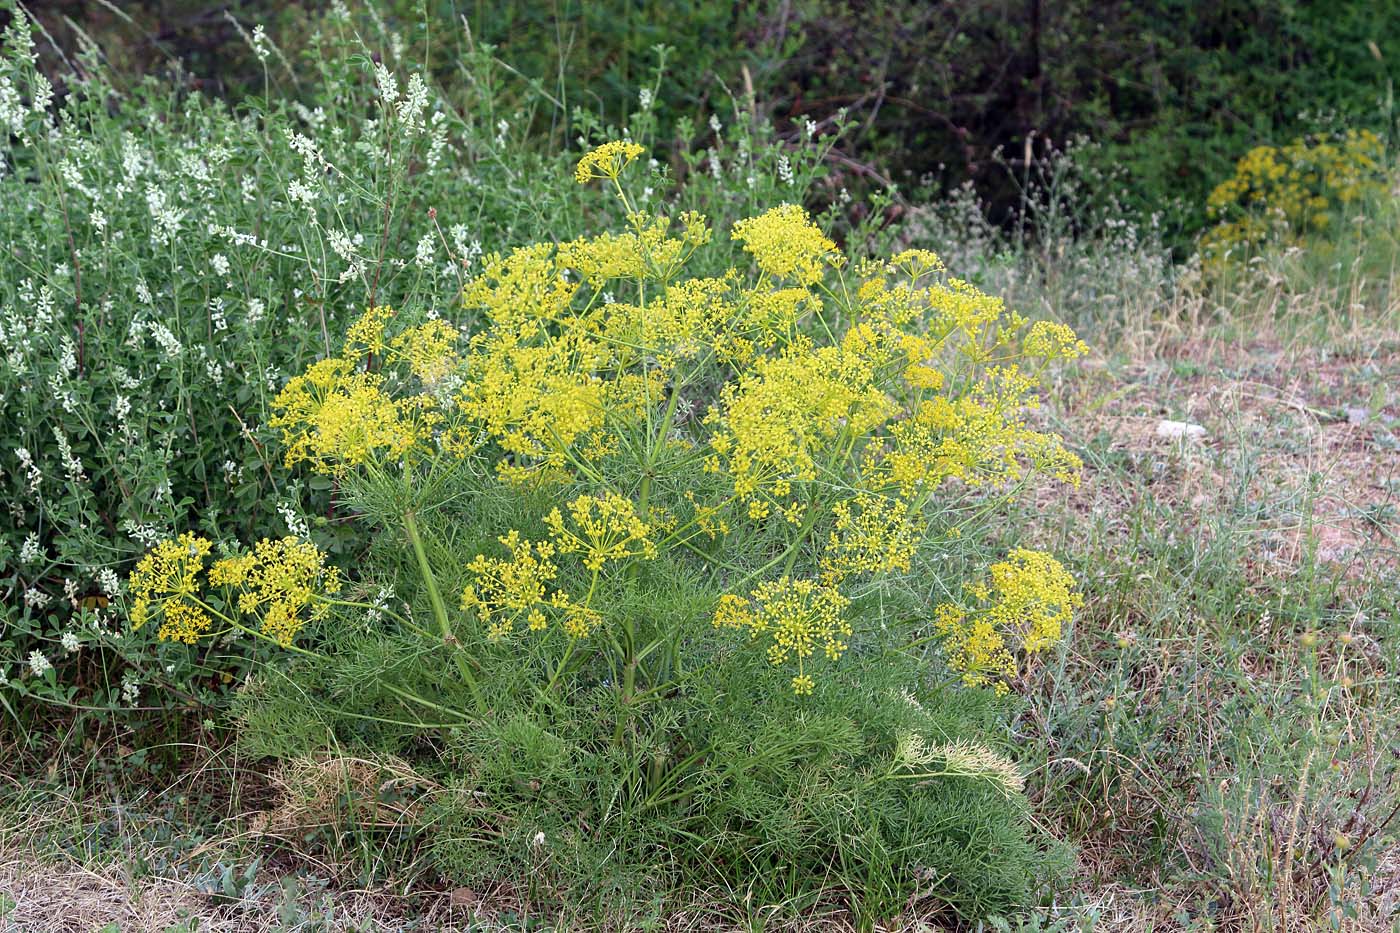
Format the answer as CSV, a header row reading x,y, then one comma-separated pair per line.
x,y
1176,430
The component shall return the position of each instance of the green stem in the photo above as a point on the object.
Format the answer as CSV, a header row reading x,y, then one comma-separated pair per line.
x,y
559,669
311,654
418,630
789,556
676,774
629,683
671,685
429,581
414,698
420,553
252,631
671,405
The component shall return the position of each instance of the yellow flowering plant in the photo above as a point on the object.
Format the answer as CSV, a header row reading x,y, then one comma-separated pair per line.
x,y
281,585
1285,194
836,409
626,495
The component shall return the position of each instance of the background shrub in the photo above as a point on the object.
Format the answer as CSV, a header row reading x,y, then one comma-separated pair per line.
x,y
1173,91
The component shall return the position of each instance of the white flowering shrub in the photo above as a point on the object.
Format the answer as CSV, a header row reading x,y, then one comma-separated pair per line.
x,y
170,260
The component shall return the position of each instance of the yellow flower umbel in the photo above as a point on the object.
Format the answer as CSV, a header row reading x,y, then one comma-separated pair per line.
x,y
872,535
429,350
278,582
533,382
787,245
796,617
789,417
507,591
980,438
974,647
342,414
336,417
1026,606
166,583
697,317
602,528
1049,340
366,335
607,161
646,252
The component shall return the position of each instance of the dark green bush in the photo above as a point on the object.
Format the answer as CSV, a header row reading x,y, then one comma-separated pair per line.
x,y
1174,91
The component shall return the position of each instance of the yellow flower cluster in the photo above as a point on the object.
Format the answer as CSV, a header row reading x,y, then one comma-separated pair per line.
x,y
339,414
506,591
787,245
607,161
916,263
831,404
696,317
1051,340
334,416
1025,607
796,617
166,581
599,529
524,285
644,252
1285,192
603,528
980,438
537,397
366,334
872,534
429,350
792,417
540,382
278,581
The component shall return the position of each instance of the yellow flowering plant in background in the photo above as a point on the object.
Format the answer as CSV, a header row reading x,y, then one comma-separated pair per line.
x,y
1285,194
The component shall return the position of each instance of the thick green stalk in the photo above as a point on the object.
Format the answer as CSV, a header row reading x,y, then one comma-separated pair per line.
x,y
630,660
420,553
629,685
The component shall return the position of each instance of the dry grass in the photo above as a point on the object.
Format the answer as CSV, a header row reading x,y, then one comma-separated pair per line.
x,y
53,879
1231,576
1312,425
56,897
